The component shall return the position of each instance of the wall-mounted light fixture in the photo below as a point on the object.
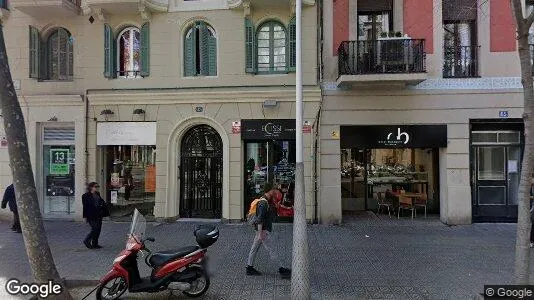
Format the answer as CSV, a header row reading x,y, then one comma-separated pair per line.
x,y
139,112
53,119
106,113
269,103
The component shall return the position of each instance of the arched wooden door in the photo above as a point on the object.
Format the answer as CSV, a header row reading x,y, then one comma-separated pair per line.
x,y
201,173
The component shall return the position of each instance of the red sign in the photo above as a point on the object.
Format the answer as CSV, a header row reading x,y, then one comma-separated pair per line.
x,y
3,142
306,127
236,127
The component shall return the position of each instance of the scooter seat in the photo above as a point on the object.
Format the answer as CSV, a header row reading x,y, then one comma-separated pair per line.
x,y
160,258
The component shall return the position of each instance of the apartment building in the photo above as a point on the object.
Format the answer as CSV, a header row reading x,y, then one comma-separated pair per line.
x,y
424,97
177,108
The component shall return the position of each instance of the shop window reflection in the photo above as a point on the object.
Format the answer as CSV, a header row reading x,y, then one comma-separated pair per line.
x,y
131,179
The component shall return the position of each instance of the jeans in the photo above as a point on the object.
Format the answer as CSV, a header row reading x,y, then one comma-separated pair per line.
x,y
268,244
94,234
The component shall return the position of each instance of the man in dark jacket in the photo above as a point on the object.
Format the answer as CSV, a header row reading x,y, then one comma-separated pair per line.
x,y
266,212
94,209
9,198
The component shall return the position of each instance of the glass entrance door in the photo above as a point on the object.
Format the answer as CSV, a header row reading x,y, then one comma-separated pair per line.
x,y
496,182
270,164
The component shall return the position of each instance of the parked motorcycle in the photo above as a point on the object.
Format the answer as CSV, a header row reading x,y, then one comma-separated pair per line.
x,y
180,270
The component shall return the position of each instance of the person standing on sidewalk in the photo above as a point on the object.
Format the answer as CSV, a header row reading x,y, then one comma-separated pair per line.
x,y
94,209
9,197
266,212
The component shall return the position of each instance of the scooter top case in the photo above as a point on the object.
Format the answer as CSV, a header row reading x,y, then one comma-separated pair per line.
x,y
206,235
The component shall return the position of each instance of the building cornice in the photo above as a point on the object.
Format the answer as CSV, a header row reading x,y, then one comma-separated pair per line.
x,y
51,100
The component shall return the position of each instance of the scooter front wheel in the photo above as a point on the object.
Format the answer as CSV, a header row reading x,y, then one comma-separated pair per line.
x,y
111,289
200,285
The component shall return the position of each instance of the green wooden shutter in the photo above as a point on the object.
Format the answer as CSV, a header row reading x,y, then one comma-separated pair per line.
x,y
250,47
108,52
44,62
63,57
291,59
212,50
145,52
190,53
34,46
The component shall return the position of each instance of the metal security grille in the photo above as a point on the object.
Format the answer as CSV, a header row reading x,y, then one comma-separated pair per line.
x,y
201,173
59,134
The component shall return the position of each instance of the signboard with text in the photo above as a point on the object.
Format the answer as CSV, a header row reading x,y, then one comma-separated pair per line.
x,y
270,129
59,161
394,136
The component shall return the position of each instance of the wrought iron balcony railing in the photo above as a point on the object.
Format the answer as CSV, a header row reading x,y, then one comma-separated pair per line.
x,y
460,62
398,55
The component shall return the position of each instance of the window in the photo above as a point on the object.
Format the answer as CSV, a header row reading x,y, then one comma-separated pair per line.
x,y
3,4
200,50
271,49
127,55
51,58
129,52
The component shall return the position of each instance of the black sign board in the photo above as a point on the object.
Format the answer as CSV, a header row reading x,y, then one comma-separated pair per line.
x,y
394,136
273,129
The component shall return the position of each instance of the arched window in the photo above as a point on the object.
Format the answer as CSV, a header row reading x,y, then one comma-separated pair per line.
x,y
200,50
59,58
271,47
129,52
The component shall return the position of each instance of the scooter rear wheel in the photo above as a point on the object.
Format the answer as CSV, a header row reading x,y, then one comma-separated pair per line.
x,y
111,289
200,285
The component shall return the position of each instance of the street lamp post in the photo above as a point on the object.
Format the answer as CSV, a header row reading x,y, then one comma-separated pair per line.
x,y
300,281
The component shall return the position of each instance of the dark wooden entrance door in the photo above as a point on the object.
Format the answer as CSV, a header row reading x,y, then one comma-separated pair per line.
x,y
201,173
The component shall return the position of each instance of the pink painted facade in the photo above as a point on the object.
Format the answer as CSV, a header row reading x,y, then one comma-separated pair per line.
x,y
418,21
502,27
341,23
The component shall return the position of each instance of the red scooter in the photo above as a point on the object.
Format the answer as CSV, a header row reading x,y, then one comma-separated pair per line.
x,y
181,270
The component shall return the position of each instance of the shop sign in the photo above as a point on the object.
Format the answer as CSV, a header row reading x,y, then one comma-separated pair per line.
x,y
59,161
126,133
236,127
394,136
3,142
273,129
306,127
503,114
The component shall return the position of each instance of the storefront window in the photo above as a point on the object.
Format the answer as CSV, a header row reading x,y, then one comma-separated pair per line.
x,y
58,169
270,163
130,179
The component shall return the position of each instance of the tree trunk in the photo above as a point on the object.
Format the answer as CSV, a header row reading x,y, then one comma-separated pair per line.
x,y
522,252
35,240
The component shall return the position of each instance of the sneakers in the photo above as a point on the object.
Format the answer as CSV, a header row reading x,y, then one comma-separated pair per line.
x,y
531,245
252,272
285,273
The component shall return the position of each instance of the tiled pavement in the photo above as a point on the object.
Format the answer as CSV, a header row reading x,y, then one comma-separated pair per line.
x,y
371,259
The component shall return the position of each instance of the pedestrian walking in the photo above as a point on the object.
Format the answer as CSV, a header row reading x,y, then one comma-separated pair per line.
x,y
94,209
266,212
9,198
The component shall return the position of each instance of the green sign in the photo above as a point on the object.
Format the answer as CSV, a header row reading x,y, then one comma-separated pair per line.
x,y
59,161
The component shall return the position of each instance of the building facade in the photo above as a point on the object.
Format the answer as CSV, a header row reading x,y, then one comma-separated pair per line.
x,y
420,96
177,108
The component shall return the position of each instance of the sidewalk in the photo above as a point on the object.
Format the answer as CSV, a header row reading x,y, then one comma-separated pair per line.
x,y
372,259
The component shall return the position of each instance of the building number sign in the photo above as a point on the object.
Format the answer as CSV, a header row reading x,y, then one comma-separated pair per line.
x,y
59,161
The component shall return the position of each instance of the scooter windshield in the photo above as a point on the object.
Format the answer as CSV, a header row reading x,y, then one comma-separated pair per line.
x,y
138,227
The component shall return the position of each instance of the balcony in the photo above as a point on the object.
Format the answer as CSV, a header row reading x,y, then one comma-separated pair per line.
x,y
460,62
397,61
117,7
48,9
247,4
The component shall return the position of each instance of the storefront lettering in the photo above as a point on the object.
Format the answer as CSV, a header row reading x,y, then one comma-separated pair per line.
x,y
398,138
272,129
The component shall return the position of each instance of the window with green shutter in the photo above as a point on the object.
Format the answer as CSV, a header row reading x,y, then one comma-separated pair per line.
x,y
200,50
109,70
250,47
145,53
35,55
292,46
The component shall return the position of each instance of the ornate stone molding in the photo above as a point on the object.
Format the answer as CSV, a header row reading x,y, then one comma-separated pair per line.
x,y
98,13
246,8
145,13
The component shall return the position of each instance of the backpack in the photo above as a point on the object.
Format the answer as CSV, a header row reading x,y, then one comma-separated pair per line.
x,y
252,216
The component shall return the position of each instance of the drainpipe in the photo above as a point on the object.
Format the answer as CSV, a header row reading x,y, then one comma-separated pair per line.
x,y
86,113
317,121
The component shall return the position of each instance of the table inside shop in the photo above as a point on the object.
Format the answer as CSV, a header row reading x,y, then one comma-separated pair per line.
x,y
412,196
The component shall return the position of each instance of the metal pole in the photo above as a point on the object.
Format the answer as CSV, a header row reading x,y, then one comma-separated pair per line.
x,y
300,282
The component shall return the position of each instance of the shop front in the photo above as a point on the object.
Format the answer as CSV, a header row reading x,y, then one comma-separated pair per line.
x,y
269,161
382,160
128,159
